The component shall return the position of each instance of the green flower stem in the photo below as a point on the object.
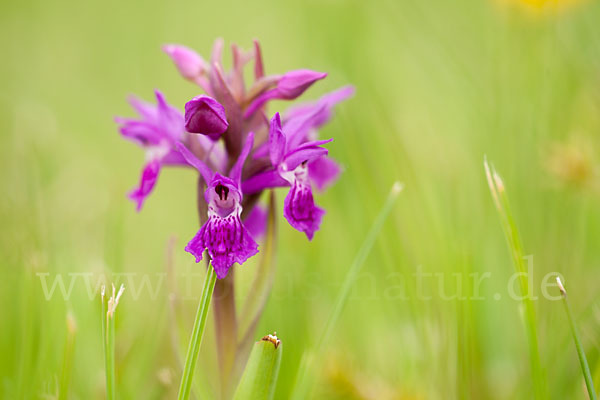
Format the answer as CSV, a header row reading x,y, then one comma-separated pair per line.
x,y
197,333
226,329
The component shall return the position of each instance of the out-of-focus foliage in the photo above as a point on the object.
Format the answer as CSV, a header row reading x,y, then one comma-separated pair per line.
x,y
439,84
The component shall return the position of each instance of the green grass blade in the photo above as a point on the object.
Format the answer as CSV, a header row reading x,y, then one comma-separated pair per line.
x,y
108,338
197,333
105,342
585,368
308,364
260,376
513,239
67,366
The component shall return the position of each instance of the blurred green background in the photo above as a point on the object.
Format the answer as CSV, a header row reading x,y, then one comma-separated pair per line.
x,y
439,84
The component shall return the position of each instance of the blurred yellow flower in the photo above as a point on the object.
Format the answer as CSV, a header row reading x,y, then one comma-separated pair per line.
x,y
542,7
572,163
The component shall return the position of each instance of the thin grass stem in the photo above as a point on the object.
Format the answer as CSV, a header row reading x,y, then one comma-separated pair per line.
x,y
197,333
513,239
108,338
308,365
67,365
585,368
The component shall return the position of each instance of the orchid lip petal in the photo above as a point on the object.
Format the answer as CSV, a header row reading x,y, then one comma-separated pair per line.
x,y
300,210
256,221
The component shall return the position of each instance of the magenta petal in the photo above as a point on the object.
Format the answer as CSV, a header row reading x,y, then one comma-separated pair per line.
x,y
174,158
259,101
305,152
205,115
276,140
141,132
264,180
256,221
192,160
158,123
188,62
147,182
145,110
292,84
227,241
169,119
323,171
236,171
302,119
300,211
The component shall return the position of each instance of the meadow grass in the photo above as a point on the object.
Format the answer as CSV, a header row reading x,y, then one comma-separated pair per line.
x,y
585,368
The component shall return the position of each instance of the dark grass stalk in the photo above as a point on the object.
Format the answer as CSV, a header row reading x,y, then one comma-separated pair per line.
x,y
513,239
226,327
310,364
585,368
197,333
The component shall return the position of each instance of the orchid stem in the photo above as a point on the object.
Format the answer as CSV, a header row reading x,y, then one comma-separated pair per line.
x,y
226,330
197,333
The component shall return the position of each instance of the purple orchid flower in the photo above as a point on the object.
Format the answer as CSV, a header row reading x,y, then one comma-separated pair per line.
x,y
223,235
290,168
301,124
160,126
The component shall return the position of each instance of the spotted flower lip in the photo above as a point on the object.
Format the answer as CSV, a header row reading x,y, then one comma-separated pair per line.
x,y
223,234
205,115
